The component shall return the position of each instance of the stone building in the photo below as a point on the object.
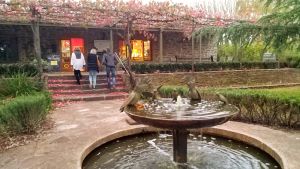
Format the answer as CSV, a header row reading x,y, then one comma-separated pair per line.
x,y
164,46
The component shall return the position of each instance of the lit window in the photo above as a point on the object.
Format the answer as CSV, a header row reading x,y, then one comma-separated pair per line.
x,y
141,50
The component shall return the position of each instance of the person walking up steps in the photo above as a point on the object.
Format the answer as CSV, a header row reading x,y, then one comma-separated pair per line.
x,y
109,60
77,61
93,67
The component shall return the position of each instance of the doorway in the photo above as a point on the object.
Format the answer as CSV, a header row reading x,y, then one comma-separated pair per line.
x,y
67,47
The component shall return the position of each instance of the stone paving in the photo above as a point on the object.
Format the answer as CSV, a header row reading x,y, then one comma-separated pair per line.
x,y
81,127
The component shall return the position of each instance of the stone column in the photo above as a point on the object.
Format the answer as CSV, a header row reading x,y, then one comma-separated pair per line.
x,y
160,45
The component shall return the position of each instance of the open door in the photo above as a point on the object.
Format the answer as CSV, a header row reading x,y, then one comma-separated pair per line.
x,y
67,47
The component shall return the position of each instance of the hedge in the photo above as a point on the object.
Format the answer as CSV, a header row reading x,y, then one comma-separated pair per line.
x,y
23,114
186,67
273,107
8,70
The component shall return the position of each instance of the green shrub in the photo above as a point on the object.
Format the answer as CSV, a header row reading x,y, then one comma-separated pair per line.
x,y
8,70
19,84
274,107
293,62
186,67
24,114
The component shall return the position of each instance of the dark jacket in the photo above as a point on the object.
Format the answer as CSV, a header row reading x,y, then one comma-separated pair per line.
x,y
92,63
109,59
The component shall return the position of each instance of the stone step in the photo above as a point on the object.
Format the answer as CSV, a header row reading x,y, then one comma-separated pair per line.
x,y
82,86
87,91
90,97
71,77
83,81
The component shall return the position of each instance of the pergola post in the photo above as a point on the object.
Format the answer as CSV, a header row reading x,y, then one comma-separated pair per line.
x,y
193,47
111,43
37,44
160,45
200,47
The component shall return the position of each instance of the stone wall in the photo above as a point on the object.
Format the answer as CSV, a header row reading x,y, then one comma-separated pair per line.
x,y
228,78
176,45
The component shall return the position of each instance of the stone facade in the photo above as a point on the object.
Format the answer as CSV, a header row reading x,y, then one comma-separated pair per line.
x,y
233,78
174,44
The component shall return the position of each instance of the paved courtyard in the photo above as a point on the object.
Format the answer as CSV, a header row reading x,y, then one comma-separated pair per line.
x,y
81,127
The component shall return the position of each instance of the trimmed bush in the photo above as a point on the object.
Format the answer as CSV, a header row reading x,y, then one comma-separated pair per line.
x,y
273,107
186,67
293,62
8,70
24,114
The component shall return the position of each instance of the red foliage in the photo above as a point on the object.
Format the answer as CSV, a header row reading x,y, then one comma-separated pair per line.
x,y
110,13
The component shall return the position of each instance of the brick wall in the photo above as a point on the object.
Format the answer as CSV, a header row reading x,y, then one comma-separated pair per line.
x,y
228,78
174,44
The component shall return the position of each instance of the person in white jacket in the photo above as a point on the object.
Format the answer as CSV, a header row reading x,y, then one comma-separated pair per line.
x,y
77,61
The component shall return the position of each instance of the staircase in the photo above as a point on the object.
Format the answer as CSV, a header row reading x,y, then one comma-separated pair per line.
x,y
64,89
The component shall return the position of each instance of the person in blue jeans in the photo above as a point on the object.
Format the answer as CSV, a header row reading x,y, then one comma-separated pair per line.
x,y
93,67
109,60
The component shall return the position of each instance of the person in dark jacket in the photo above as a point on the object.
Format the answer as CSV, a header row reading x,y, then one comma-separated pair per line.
x,y
93,67
109,60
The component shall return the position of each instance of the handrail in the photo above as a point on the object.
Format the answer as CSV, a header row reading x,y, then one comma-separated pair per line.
x,y
121,62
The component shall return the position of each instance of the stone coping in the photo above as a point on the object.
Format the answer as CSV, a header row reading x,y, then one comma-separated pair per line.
x,y
214,131
217,71
80,128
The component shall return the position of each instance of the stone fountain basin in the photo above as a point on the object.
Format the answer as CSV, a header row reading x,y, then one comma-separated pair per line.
x,y
184,123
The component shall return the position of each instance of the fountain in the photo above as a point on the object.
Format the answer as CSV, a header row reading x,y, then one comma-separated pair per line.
x,y
154,151
177,115
180,116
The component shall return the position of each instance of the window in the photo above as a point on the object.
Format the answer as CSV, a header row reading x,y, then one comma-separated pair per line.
x,y
141,50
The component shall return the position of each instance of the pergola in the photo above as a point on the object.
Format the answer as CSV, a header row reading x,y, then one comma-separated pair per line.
x,y
131,16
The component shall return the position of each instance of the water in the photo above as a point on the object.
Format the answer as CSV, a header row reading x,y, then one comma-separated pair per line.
x,y
154,151
184,109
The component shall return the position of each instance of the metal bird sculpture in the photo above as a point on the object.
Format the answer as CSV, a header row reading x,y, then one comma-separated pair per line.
x,y
194,94
156,93
222,99
143,86
174,95
132,99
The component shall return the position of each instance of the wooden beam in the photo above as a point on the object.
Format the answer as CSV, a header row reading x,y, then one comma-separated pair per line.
x,y
193,47
200,47
161,46
85,27
111,44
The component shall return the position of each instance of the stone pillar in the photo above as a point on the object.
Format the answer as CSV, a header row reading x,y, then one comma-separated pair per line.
x,y
180,145
111,44
160,45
